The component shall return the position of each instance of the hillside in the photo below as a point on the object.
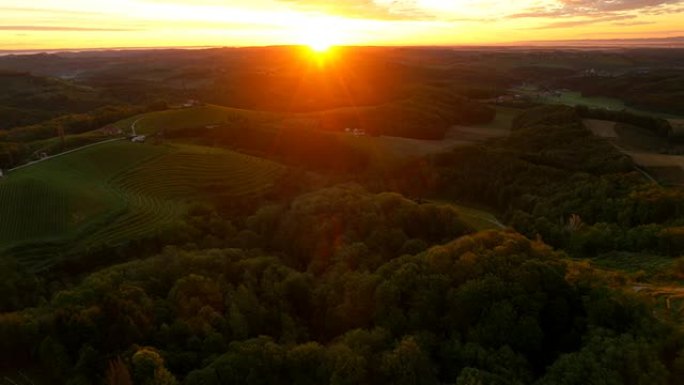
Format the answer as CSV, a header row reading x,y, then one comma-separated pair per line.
x,y
115,193
27,99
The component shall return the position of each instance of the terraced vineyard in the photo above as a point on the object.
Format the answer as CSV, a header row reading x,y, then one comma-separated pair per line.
x,y
36,201
48,204
191,169
160,191
52,198
113,193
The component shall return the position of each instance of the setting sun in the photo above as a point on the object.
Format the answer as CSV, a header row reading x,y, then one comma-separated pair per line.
x,y
320,34
319,46
321,23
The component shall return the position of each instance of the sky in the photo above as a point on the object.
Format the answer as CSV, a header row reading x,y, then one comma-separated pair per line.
x,y
61,24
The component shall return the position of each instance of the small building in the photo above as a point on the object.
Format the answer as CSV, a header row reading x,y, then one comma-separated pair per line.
x,y
186,104
358,132
191,103
355,131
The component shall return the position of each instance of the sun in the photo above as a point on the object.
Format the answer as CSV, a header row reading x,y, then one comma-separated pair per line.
x,y
320,35
319,46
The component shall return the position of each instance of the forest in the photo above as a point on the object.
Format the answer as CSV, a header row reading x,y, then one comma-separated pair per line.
x,y
551,178
328,300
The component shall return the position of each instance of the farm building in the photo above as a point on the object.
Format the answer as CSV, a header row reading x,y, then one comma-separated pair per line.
x,y
186,104
355,131
191,103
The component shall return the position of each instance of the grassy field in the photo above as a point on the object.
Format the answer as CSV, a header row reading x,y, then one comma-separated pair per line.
x,y
54,146
57,199
648,159
115,192
660,158
575,98
154,122
571,98
386,148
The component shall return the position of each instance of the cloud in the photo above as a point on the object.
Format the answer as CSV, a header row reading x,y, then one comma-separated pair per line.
x,y
49,11
577,23
365,9
61,28
666,34
361,9
632,23
586,12
600,8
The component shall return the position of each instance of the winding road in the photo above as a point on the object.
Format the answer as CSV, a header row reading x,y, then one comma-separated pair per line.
x,y
31,163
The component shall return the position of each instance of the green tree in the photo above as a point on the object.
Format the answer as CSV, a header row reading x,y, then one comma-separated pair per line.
x,y
407,364
148,368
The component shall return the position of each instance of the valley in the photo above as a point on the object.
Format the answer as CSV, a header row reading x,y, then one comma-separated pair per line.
x,y
362,215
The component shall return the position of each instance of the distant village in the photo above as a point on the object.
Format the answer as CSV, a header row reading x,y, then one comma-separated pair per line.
x,y
527,92
355,131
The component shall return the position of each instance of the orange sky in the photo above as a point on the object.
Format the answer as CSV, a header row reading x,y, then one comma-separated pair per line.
x,y
52,24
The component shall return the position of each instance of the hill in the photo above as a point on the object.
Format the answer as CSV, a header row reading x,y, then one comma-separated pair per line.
x,y
26,99
115,193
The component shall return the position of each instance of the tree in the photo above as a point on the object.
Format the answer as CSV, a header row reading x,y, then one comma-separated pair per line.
x,y
407,364
55,357
148,368
117,373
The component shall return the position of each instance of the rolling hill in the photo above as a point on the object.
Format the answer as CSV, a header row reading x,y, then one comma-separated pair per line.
x,y
113,193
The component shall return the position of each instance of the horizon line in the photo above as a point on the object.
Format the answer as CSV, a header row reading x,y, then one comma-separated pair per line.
x,y
655,42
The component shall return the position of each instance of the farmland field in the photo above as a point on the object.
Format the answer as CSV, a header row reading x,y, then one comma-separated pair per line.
x,y
456,136
115,192
666,169
575,98
661,159
667,175
154,122
53,197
